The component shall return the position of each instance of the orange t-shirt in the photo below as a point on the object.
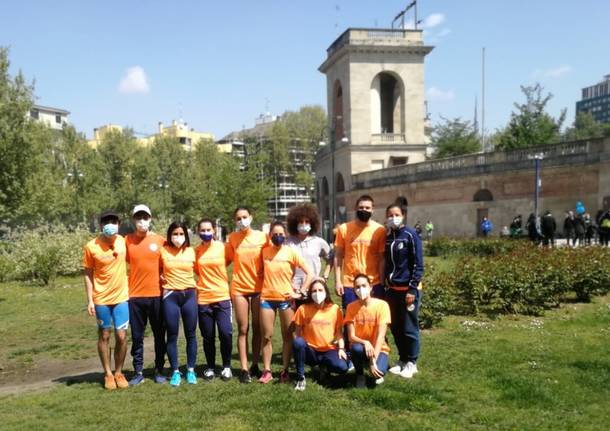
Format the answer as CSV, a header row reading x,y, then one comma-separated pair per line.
x,y
213,281
244,250
178,267
368,320
363,246
144,258
279,267
109,270
319,325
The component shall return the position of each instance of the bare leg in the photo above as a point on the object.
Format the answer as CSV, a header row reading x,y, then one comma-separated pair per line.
x,y
286,320
255,306
267,321
241,306
103,349
120,349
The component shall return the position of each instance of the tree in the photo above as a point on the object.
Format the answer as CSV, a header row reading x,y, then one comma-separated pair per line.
x,y
585,127
454,138
531,125
16,146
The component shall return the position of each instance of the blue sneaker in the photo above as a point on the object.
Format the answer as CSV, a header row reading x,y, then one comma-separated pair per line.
x,y
160,378
136,380
191,377
176,378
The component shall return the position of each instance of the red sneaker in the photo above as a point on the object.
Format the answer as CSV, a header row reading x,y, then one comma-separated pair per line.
x,y
266,377
284,377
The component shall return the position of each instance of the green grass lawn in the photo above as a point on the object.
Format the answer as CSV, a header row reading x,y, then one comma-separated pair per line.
x,y
515,372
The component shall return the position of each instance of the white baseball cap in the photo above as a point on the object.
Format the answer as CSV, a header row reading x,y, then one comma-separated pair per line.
x,y
141,208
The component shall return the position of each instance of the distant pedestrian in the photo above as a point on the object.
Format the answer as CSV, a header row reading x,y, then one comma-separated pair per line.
x,y
590,229
486,227
532,229
579,230
548,227
569,228
603,223
516,227
418,229
429,230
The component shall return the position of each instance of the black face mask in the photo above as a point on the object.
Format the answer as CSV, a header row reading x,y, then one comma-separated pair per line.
x,y
363,215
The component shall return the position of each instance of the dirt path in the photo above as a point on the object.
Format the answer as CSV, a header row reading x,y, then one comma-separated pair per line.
x,y
48,373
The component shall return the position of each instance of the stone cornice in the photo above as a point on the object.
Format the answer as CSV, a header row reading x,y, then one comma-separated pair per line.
x,y
419,50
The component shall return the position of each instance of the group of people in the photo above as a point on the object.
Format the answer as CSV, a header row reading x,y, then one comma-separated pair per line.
x,y
578,229
145,277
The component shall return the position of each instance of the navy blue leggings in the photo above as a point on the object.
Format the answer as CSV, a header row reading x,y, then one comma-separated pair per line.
x,y
183,303
303,354
142,310
210,316
359,358
405,324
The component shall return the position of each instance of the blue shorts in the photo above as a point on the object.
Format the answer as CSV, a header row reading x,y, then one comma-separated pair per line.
x,y
116,313
275,305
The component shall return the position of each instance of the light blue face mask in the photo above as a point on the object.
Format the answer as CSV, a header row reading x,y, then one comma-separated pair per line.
x,y
110,229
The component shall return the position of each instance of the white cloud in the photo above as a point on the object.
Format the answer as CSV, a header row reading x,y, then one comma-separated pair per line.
x,y
555,72
444,32
134,81
433,20
440,95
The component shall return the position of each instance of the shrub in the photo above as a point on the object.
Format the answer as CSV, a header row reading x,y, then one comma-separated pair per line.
x,y
43,253
445,246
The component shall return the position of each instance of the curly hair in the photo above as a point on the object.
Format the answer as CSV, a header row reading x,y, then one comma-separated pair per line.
x,y
299,212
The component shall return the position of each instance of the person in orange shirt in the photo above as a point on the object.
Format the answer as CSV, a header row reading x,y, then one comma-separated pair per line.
x,y
367,321
244,250
318,334
214,300
107,295
144,258
359,248
180,299
280,262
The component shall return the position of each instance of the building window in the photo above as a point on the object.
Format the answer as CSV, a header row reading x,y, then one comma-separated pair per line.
x,y
398,161
58,119
340,186
34,114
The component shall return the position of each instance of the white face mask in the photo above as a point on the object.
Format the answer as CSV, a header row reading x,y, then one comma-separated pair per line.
x,y
244,223
362,292
143,225
318,297
394,222
178,240
304,227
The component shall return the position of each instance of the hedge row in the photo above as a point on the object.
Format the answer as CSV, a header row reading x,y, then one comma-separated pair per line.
x,y
446,246
527,280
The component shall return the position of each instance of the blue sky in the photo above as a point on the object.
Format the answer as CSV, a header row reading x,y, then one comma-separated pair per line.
x,y
220,63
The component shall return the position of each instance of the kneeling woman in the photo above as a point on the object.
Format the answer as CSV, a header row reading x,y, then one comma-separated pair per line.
x,y
367,321
279,262
318,334
180,299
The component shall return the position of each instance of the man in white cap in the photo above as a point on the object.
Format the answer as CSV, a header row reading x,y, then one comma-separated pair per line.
x,y
144,258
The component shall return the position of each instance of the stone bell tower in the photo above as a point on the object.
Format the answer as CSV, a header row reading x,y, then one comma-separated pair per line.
x,y
376,112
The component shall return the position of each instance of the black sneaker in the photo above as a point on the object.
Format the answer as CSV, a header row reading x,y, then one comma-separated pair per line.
x,y
244,377
255,371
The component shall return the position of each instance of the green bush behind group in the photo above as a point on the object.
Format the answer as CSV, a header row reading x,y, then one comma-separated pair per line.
x,y
465,277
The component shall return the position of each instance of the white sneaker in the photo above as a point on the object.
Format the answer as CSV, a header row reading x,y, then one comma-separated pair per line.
x,y
208,374
226,374
396,369
360,382
379,381
409,370
300,385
